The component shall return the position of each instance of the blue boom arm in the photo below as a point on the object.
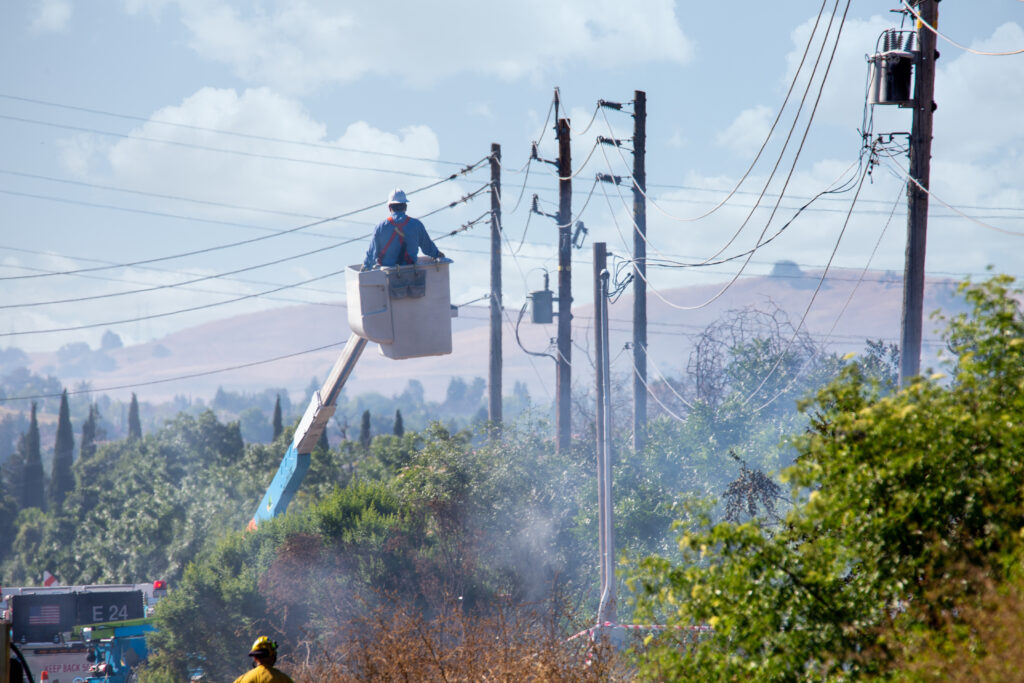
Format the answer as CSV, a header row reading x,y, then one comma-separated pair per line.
x,y
295,463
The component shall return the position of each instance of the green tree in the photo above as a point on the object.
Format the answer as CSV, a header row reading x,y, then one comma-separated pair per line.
x,y
365,431
89,433
62,479
278,423
908,507
134,424
144,509
447,517
399,428
33,493
8,513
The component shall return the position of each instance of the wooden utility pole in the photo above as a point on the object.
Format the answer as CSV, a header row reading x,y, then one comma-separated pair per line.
x,y
640,268
564,378
494,373
917,195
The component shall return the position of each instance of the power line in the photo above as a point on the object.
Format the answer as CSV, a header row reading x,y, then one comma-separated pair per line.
x,y
208,148
203,278
842,311
166,314
206,250
155,270
792,168
183,283
953,42
792,129
814,296
155,195
220,131
768,137
144,212
174,379
903,175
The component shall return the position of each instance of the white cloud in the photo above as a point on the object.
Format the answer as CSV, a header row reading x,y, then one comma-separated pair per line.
x,y
318,173
315,173
677,139
842,101
481,109
747,131
52,16
297,45
980,98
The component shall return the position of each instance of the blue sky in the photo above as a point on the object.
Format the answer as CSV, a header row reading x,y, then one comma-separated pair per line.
x,y
135,130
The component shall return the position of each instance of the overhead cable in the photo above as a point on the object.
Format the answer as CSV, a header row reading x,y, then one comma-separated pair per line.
x,y
842,311
184,283
143,212
668,263
223,150
220,131
764,144
796,119
199,290
154,195
904,175
206,250
788,177
166,314
814,296
90,390
953,42
257,266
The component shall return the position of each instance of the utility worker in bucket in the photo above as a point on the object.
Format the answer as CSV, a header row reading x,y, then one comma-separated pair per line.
x,y
264,655
398,238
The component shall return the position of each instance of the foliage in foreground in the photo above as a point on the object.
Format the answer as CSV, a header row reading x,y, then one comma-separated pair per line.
x,y
445,520
908,518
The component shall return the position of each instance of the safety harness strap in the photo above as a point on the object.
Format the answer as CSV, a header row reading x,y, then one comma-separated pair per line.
x,y
401,241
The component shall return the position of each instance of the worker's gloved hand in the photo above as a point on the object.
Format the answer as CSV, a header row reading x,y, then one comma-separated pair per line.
x,y
440,255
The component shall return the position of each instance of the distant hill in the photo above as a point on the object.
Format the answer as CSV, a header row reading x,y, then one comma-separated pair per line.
x,y
245,341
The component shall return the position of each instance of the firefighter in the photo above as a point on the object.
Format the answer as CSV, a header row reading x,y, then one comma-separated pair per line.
x,y
398,238
264,655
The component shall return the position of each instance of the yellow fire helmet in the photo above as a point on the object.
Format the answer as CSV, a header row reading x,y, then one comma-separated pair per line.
x,y
263,646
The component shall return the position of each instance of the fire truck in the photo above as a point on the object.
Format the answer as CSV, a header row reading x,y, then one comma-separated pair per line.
x,y
46,622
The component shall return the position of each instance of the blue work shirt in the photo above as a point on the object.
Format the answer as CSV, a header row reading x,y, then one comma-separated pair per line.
x,y
388,246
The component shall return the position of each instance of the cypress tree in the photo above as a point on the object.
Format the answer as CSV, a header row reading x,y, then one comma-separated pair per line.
x,y
14,475
323,443
364,431
62,480
88,446
33,493
399,428
278,423
134,425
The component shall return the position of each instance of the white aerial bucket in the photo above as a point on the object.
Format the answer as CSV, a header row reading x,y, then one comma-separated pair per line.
x,y
405,309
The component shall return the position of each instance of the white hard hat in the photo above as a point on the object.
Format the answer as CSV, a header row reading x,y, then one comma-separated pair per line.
x,y
397,197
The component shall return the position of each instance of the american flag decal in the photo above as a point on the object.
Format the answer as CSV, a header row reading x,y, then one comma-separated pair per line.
x,y
44,615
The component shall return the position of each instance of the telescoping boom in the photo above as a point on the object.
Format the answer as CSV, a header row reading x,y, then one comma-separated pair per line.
x,y
405,309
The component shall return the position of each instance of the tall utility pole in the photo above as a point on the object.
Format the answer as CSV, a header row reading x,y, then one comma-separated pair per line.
x,y
600,387
606,610
494,373
640,266
917,196
564,378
